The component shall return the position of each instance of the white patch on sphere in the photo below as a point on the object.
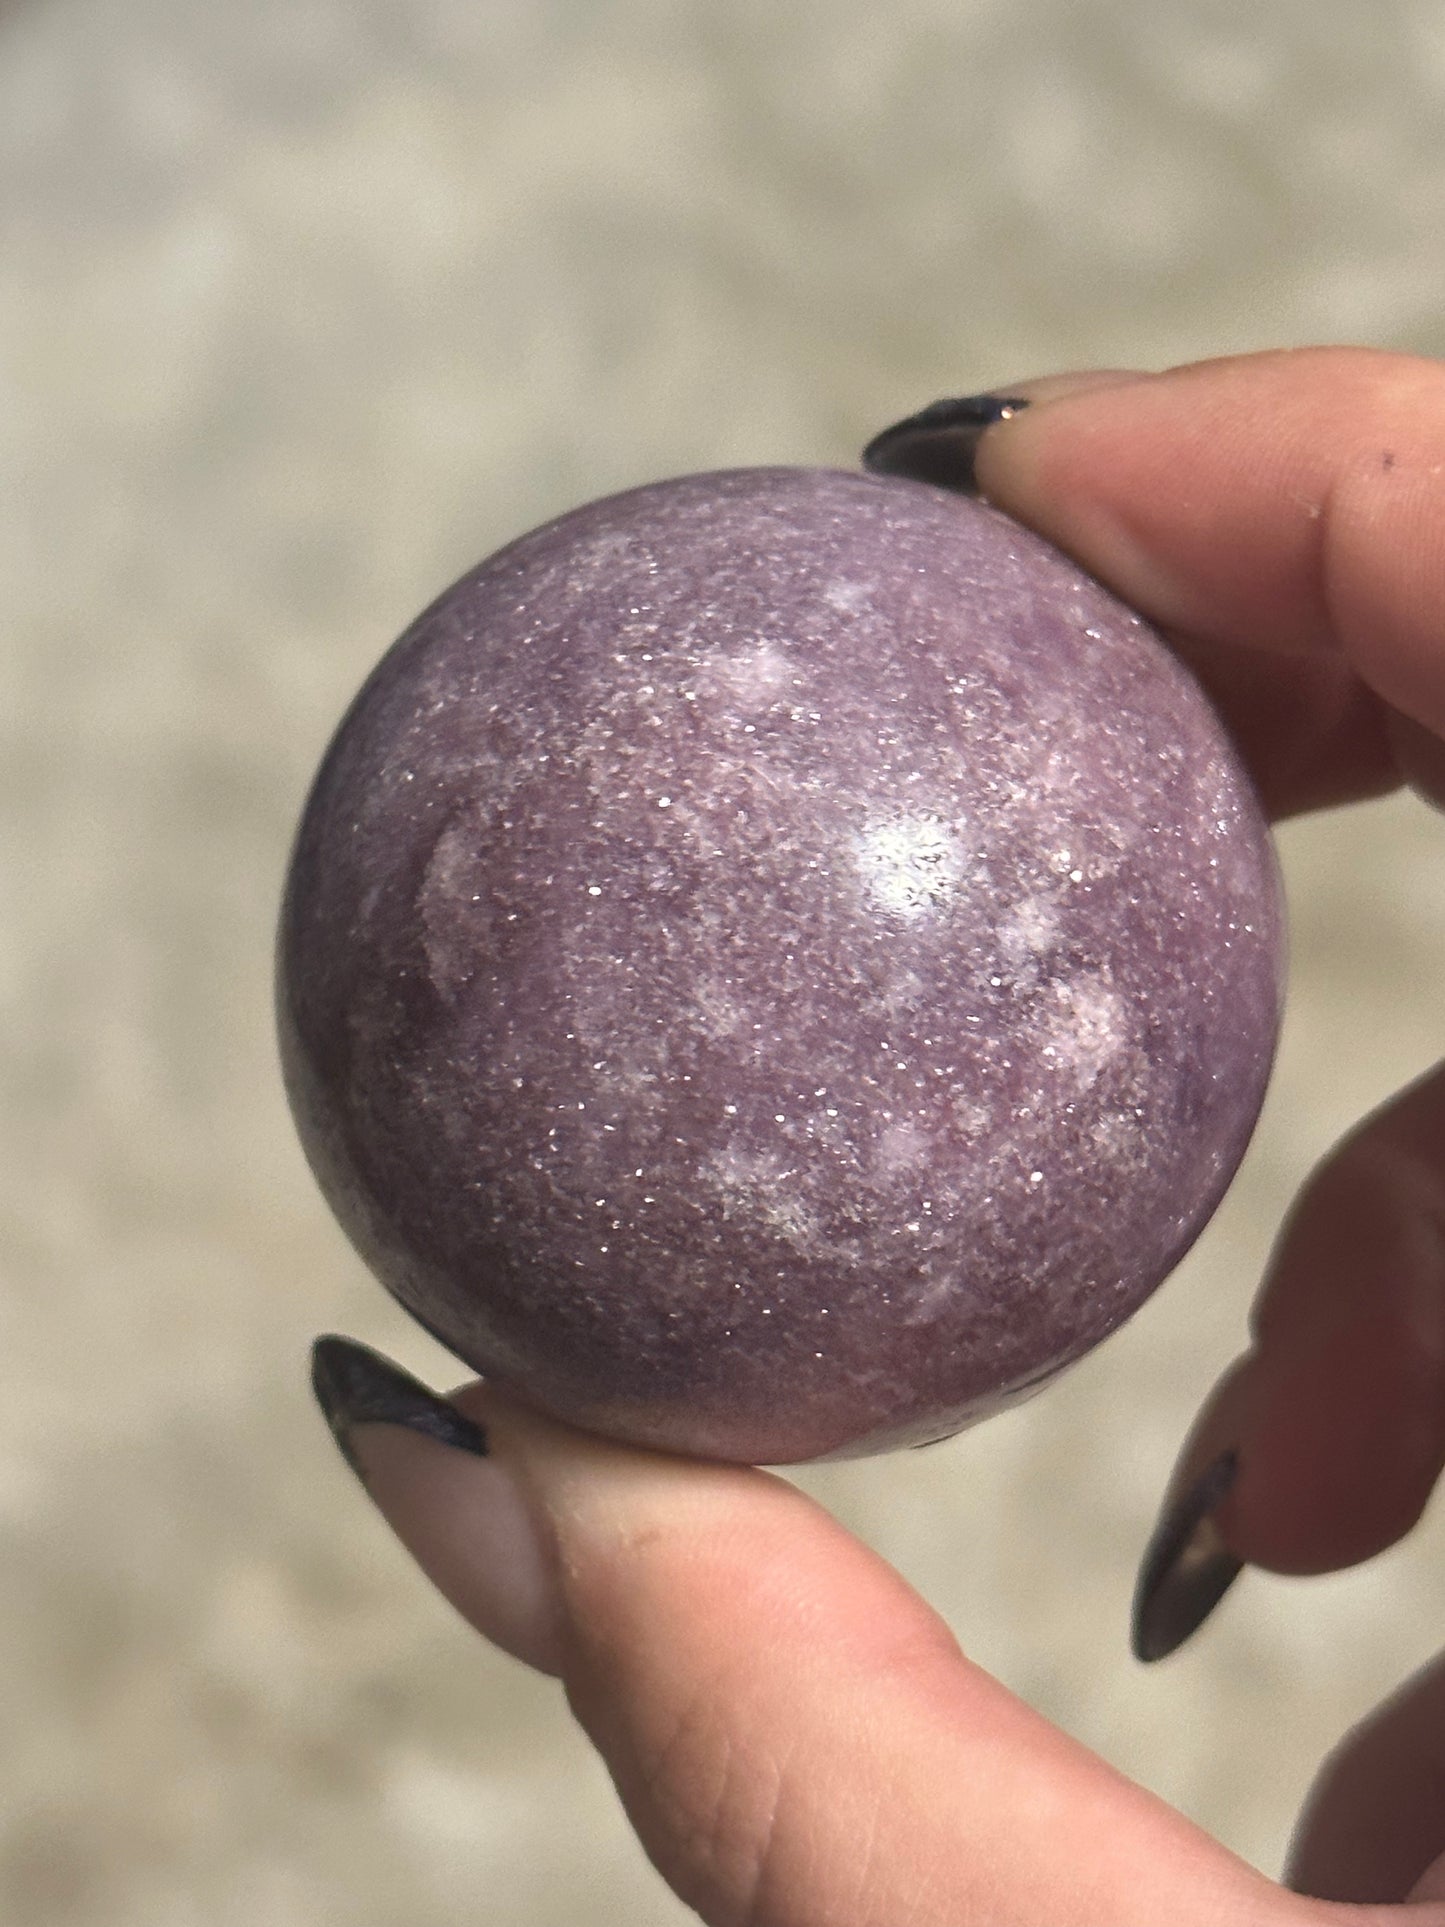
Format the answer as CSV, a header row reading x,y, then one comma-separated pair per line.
x,y
911,866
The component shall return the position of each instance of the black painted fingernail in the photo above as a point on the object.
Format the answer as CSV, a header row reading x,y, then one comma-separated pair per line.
x,y
1187,1568
357,1386
939,444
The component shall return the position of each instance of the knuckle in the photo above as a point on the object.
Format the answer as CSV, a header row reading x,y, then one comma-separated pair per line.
x,y
716,1799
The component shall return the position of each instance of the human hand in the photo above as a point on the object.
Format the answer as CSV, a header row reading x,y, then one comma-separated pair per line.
x,y
795,1735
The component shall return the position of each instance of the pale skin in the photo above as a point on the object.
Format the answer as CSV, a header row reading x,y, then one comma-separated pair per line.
x,y
795,1734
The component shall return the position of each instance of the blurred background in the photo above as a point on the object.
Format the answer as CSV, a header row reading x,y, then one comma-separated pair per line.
x,y
304,307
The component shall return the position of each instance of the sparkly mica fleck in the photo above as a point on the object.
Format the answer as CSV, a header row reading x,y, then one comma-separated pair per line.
x,y
777,963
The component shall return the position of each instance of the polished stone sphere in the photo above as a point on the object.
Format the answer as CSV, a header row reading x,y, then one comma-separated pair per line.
x,y
777,963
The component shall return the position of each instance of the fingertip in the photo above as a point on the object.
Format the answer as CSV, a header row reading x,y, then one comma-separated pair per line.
x,y
474,1531
1286,501
941,443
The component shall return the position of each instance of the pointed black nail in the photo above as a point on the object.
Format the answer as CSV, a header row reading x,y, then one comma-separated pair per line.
x,y
357,1386
939,443
1187,1568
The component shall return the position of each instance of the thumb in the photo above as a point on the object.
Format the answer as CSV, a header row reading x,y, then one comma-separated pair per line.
x,y
795,1735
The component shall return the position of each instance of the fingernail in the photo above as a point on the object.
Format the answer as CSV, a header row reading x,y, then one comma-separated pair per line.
x,y
1187,1568
940,443
459,1512
357,1386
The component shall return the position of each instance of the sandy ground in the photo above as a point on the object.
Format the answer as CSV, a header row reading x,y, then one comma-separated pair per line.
x,y
304,306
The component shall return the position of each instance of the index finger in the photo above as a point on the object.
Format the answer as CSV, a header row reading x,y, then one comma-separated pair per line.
x,y
1291,502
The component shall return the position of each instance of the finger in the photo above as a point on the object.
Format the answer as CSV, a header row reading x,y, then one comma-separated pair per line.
x,y
1291,501
1419,756
1373,1827
1336,1415
1283,514
1312,732
796,1737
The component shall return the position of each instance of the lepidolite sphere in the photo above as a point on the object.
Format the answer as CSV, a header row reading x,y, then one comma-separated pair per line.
x,y
777,963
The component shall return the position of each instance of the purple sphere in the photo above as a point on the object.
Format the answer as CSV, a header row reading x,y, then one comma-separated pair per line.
x,y
776,964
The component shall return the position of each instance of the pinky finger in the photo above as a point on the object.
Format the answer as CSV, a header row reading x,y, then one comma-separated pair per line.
x,y
1373,1828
